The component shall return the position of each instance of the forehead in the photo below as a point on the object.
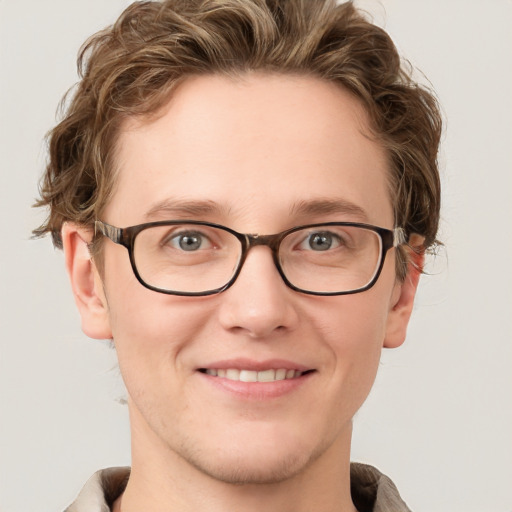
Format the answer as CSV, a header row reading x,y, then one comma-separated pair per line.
x,y
251,149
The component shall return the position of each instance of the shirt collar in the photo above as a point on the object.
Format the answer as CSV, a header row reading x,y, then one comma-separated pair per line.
x,y
371,490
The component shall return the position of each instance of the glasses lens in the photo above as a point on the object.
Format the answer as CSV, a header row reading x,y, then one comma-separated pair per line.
x,y
331,259
187,258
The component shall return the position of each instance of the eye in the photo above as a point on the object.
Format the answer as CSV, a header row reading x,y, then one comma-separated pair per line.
x,y
189,241
321,241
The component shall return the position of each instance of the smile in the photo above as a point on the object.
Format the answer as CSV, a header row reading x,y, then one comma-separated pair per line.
x,y
269,375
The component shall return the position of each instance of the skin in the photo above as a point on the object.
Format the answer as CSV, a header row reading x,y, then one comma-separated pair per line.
x,y
255,147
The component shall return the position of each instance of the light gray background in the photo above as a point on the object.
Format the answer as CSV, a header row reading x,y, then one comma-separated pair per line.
x,y
439,420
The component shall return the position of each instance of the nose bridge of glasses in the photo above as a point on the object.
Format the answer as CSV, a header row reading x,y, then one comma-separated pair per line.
x,y
254,240
271,241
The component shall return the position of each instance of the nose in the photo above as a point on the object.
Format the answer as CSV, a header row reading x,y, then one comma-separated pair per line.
x,y
259,303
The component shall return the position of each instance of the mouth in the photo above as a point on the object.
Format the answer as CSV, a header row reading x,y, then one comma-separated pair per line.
x,y
268,375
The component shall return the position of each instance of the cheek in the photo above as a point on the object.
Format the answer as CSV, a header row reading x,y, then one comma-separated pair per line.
x,y
144,323
353,329
149,324
151,331
353,323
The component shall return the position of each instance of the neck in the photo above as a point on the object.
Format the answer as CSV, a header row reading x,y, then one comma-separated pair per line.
x,y
162,480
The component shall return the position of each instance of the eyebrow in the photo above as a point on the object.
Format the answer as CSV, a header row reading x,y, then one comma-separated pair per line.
x,y
328,206
171,208
168,208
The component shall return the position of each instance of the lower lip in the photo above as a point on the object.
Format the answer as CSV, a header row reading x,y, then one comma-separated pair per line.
x,y
257,390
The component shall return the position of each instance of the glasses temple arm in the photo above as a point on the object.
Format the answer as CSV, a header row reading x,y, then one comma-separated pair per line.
x,y
399,237
115,234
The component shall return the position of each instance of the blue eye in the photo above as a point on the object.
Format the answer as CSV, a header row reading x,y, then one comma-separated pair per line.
x,y
190,241
321,241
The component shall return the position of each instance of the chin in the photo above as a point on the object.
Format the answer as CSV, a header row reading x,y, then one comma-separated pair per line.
x,y
243,471
261,460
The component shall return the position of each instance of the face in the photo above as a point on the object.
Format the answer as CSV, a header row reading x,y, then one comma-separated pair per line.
x,y
259,154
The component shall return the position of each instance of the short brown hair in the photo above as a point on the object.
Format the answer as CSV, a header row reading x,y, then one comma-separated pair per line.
x,y
130,69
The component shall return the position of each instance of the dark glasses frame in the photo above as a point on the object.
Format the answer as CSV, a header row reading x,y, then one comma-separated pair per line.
x,y
126,238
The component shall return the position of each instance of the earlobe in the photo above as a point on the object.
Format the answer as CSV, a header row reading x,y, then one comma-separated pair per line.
x,y
85,282
402,301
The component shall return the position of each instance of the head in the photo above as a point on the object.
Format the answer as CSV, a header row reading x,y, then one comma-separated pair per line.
x,y
245,110
130,70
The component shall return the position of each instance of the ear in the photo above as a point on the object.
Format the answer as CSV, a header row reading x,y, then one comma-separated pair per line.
x,y
86,282
402,300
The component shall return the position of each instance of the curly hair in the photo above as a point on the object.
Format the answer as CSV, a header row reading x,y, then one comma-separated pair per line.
x,y
132,67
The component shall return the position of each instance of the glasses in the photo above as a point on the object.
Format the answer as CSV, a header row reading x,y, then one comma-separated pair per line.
x,y
196,258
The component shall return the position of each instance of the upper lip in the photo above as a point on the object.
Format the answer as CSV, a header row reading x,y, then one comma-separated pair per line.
x,y
254,365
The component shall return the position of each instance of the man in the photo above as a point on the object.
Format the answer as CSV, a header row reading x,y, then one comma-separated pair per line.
x,y
244,192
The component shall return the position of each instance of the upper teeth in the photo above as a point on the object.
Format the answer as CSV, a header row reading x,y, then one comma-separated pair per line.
x,y
253,376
